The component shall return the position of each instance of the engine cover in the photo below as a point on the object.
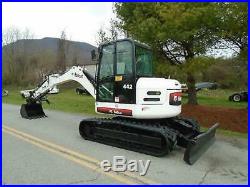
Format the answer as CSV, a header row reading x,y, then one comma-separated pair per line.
x,y
158,98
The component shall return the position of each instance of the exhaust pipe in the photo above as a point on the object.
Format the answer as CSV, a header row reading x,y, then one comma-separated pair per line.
x,y
32,111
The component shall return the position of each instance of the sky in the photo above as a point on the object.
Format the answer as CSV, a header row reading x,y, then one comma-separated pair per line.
x,y
81,21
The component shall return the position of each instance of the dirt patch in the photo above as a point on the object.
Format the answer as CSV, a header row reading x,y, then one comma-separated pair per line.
x,y
229,118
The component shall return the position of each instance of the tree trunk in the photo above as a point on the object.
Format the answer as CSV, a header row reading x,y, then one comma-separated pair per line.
x,y
192,97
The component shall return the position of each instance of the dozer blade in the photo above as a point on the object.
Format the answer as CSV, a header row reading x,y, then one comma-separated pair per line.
x,y
197,146
32,111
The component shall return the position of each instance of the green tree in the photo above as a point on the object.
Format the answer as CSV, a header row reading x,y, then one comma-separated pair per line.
x,y
178,32
233,25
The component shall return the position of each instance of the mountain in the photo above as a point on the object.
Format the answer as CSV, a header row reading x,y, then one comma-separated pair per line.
x,y
77,52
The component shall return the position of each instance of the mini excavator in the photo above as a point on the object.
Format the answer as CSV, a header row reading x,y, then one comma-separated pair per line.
x,y
144,109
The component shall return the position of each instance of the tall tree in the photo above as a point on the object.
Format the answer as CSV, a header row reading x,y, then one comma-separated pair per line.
x,y
112,33
101,36
14,54
62,48
113,30
178,32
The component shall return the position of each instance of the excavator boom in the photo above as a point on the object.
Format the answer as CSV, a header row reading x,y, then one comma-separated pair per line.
x,y
33,108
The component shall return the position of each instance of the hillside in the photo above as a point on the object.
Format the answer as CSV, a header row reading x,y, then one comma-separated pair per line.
x,y
26,61
35,47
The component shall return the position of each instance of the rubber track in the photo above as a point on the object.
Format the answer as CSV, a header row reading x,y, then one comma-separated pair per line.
x,y
145,137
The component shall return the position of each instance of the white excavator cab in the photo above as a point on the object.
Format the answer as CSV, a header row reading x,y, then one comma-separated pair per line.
x,y
121,63
126,86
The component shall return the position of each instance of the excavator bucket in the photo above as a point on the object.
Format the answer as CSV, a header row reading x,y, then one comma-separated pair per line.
x,y
32,111
197,146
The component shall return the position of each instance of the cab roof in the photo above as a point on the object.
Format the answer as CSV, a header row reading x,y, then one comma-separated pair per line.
x,y
134,42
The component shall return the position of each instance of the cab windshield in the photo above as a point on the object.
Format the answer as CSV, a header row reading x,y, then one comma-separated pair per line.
x,y
143,61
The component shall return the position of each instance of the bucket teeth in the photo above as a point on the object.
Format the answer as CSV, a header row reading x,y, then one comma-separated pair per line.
x,y
32,111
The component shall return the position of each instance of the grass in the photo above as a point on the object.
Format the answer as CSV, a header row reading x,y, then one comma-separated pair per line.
x,y
228,133
68,101
217,98
231,133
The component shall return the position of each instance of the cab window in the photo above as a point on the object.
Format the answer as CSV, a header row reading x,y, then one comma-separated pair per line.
x,y
124,55
107,61
143,60
106,85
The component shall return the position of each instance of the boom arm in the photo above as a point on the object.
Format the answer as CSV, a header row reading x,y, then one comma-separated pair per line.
x,y
75,73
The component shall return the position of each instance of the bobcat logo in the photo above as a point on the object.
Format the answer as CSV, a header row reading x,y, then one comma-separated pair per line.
x,y
78,75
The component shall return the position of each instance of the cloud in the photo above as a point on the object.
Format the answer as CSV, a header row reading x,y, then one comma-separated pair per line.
x,y
80,20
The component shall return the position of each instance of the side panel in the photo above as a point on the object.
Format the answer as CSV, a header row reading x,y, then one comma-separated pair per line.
x,y
138,111
145,107
116,111
125,89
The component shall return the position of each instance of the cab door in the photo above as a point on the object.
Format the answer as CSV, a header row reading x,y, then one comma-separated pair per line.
x,y
124,85
105,82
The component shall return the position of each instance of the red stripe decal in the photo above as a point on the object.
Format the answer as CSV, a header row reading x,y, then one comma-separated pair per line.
x,y
117,111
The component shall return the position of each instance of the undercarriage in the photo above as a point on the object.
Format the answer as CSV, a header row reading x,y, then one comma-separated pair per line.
x,y
153,137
